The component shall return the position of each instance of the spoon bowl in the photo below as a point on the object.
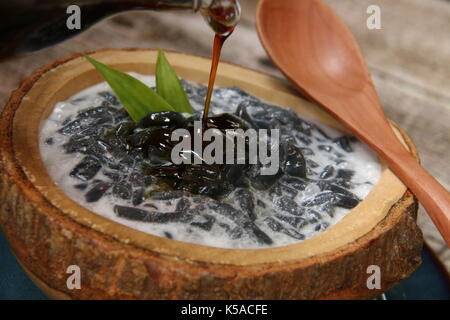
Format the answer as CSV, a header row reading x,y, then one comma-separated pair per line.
x,y
313,47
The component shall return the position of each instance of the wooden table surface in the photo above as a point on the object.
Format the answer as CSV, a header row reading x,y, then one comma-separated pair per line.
x,y
409,59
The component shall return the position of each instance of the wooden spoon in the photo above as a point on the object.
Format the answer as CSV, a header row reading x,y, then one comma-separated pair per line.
x,y
317,52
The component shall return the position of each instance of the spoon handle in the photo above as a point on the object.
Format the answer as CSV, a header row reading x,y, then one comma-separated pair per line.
x,y
431,194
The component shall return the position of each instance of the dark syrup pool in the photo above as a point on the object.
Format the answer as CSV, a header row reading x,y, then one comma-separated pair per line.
x,y
323,173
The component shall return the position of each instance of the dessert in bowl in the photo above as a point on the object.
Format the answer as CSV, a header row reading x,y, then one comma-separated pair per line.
x,y
333,210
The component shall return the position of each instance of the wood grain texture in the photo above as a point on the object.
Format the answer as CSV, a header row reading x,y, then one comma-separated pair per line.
x,y
333,73
409,59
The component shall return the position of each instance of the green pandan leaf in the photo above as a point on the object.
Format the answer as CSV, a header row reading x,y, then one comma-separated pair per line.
x,y
138,99
169,86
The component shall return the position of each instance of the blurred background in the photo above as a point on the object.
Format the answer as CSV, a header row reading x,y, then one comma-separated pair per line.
x,y
409,59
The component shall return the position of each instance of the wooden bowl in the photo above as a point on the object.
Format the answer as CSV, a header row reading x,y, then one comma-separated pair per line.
x,y
49,232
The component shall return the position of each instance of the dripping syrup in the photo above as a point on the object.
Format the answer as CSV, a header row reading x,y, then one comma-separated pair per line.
x,y
219,40
222,16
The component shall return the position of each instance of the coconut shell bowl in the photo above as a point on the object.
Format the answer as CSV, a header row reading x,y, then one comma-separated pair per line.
x,y
49,232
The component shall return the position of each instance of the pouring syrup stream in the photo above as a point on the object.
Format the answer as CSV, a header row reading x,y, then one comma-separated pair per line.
x,y
219,40
222,16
